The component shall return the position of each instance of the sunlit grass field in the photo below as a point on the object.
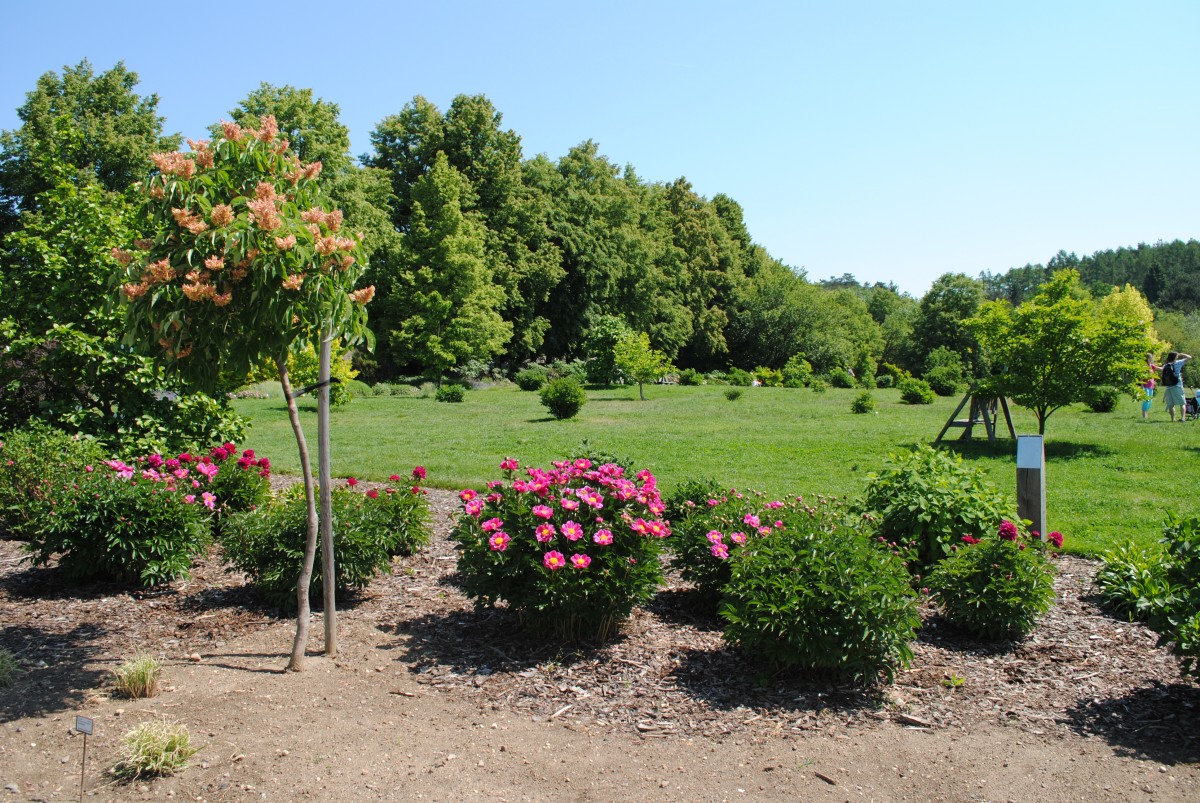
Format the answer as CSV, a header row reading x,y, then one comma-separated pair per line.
x,y
1109,477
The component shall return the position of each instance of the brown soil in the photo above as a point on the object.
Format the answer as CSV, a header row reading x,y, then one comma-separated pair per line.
x,y
429,699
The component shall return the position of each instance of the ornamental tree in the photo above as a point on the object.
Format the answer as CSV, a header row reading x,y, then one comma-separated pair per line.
x,y
1050,350
634,357
247,260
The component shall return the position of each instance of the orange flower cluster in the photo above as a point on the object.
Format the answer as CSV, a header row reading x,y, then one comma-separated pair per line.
x,y
285,243
331,220
203,156
214,263
231,131
293,282
264,214
123,257
174,164
222,215
364,294
189,220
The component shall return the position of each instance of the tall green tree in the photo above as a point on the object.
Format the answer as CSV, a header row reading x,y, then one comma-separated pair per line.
x,y
446,305
1052,349
116,130
941,319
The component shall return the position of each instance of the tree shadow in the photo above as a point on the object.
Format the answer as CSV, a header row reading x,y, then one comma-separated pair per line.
x,y
55,673
1055,450
616,398
52,583
938,631
1155,722
689,607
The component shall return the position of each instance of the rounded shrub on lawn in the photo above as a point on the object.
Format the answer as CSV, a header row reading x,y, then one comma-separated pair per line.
x,y
863,403
820,597
531,378
996,587
453,393
368,530
571,549
563,397
915,391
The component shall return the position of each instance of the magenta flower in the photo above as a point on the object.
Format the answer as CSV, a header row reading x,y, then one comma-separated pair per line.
x,y
394,477
542,511
580,561
569,504
419,473
491,524
720,551
640,526
190,498
553,560
968,539
248,453
473,508
499,541
88,469
1055,538
713,502
603,537
738,537
752,520
349,480
509,464
572,531
544,532
372,494
209,500
715,536
467,494
154,461
1008,530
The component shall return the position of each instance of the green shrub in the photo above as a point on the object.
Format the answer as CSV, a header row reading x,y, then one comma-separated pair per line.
x,y
1102,398
359,390
733,394
154,749
369,529
863,403
563,397
717,378
821,596
915,391
995,588
531,378
575,369
36,462
740,378
945,380
690,376
551,560
113,523
768,377
797,372
818,385
884,381
451,392
137,677
925,501
1133,581
385,389
840,379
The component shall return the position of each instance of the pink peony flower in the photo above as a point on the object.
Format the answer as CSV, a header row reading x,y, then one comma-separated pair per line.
x,y
715,536
542,511
372,494
419,472
751,520
394,477
720,551
603,537
544,532
737,538
580,561
569,504
1008,531
509,464
209,500
572,531
491,524
1055,538
190,498
969,539
467,494
351,481
553,560
499,541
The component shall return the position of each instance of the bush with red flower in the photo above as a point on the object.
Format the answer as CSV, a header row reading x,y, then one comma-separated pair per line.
x,y
572,549
996,586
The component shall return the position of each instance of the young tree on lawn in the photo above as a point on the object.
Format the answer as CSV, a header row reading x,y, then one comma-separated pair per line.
x,y
1052,348
634,357
247,260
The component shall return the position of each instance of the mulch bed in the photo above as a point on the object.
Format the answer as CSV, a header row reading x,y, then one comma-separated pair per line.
x,y
668,673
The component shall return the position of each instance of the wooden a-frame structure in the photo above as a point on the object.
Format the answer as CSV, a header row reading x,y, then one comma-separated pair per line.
x,y
984,410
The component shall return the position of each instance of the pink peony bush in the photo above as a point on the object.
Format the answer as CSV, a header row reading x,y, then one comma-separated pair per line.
x,y
571,549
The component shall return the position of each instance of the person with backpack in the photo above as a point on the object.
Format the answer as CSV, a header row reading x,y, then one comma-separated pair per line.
x,y
1172,381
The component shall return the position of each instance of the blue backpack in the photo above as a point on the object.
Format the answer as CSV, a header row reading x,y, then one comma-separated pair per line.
x,y
1170,377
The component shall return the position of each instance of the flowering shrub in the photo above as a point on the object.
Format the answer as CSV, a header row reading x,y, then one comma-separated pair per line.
x,y
997,586
818,594
36,461
926,501
117,522
369,528
571,549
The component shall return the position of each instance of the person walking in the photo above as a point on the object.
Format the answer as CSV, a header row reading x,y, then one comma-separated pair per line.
x,y
1172,380
1148,385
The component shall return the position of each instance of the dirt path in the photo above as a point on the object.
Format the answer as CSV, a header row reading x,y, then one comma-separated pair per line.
x,y
429,700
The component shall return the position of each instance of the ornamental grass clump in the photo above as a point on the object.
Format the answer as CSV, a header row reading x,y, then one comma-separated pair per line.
x,y
571,549
8,668
154,749
369,528
820,595
996,587
137,677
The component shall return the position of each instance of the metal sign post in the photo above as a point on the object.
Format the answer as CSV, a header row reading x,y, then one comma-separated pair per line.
x,y
1031,482
84,726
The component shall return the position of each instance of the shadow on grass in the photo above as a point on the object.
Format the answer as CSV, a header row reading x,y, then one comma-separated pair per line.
x,y
615,398
1155,722
1006,447
55,672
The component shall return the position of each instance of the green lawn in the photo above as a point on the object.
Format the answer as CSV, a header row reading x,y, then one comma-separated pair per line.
x,y
1110,477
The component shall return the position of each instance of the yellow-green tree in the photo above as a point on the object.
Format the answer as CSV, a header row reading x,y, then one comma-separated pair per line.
x,y
634,358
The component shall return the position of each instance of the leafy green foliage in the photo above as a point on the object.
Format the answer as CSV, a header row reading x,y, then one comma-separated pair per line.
x,y
863,403
884,381
451,392
739,378
531,378
691,377
768,377
1134,581
915,391
925,501
36,462
562,570
839,378
944,380
797,372
819,595
563,397
634,358
733,394
368,530
8,668
995,589
1102,398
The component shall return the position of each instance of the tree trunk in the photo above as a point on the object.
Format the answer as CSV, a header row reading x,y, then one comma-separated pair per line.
x,y
296,663
328,569
641,393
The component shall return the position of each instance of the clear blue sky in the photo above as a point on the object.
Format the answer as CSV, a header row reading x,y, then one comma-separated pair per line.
x,y
894,141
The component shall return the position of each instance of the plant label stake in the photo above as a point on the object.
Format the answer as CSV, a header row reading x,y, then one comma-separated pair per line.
x,y
1031,482
83,725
